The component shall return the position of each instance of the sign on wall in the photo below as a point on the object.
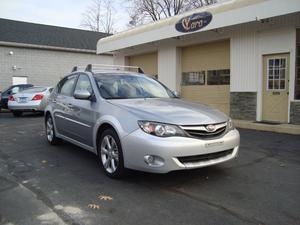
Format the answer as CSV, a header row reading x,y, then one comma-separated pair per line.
x,y
19,80
193,22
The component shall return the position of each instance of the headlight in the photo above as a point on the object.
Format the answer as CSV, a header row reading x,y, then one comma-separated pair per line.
x,y
160,129
230,125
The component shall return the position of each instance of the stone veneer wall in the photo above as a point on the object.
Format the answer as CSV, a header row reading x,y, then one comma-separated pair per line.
x,y
295,113
243,105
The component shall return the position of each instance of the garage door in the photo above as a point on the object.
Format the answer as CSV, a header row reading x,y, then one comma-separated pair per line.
x,y
206,74
148,62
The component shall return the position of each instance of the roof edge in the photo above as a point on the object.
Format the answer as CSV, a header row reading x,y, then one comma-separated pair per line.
x,y
225,14
45,47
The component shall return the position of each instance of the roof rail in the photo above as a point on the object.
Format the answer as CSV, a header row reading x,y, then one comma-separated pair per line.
x,y
95,67
100,67
78,68
75,68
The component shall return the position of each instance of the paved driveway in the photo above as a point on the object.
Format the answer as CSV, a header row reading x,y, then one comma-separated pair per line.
x,y
43,184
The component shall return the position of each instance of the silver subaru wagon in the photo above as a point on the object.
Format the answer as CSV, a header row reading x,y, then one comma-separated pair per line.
x,y
132,121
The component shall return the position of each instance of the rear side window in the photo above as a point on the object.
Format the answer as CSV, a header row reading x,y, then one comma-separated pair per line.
x,y
67,86
34,90
15,90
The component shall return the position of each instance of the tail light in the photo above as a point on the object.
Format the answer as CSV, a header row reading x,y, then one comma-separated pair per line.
x,y
37,97
11,98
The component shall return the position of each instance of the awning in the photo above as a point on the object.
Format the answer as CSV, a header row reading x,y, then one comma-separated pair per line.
x,y
222,15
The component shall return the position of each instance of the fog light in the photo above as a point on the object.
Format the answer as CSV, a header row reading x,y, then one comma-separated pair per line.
x,y
149,159
154,161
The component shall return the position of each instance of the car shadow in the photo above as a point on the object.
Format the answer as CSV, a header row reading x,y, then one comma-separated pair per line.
x,y
176,178
172,179
32,114
8,114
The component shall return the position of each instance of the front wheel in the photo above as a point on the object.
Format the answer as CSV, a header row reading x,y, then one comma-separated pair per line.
x,y
110,154
50,132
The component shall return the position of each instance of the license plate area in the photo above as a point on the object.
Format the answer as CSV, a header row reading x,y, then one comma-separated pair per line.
x,y
22,100
214,144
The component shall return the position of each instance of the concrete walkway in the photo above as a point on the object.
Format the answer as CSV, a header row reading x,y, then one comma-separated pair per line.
x,y
278,128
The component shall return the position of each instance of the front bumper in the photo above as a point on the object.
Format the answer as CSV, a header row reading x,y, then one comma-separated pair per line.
x,y
29,106
172,150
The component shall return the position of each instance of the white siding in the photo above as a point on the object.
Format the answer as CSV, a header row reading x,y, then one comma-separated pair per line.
x,y
250,41
119,59
169,67
42,67
243,61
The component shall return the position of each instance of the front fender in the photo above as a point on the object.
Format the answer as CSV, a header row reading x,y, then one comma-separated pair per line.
x,y
115,123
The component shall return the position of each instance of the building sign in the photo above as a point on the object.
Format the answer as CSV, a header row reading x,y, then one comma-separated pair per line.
x,y
194,22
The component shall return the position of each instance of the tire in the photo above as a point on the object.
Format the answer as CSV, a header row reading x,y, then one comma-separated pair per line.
x,y
110,154
50,131
17,113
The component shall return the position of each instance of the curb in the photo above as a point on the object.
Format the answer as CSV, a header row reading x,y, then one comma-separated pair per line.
x,y
278,128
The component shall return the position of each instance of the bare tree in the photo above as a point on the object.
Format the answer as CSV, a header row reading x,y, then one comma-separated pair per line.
x,y
201,3
145,11
99,16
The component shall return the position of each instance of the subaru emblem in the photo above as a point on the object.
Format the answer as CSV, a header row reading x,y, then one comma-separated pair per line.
x,y
210,128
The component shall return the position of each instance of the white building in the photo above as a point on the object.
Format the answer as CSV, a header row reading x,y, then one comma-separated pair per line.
x,y
242,57
41,54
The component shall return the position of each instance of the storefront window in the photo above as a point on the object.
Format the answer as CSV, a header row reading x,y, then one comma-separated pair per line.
x,y
297,78
193,78
218,77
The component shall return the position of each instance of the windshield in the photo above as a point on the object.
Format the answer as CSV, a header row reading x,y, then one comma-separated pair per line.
x,y
34,90
125,86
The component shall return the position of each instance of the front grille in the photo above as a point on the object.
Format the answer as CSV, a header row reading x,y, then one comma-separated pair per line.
x,y
203,133
205,157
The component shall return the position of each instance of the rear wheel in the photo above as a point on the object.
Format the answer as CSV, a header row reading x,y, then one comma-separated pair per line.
x,y
17,113
50,132
110,154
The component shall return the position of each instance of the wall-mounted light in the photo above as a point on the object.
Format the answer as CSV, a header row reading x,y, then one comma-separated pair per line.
x,y
265,20
176,38
218,31
11,53
14,67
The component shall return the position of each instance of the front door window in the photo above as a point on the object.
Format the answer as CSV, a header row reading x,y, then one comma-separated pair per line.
x,y
276,74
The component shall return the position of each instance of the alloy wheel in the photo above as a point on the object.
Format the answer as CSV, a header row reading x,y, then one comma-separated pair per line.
x,y
109,154
49,129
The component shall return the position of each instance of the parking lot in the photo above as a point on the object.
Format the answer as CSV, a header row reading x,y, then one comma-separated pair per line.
x,y
43,184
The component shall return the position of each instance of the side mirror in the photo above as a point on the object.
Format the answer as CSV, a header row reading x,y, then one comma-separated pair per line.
x,y
177,94
82,94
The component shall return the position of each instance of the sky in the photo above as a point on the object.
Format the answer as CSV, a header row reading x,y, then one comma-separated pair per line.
x,y
64,13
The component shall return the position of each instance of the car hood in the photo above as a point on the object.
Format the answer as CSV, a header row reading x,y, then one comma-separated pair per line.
x,y
171,110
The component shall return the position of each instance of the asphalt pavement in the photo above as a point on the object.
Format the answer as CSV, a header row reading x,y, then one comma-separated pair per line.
x,y
43,184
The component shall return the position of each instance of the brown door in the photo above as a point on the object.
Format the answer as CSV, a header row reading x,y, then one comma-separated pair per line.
x,y
275,87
